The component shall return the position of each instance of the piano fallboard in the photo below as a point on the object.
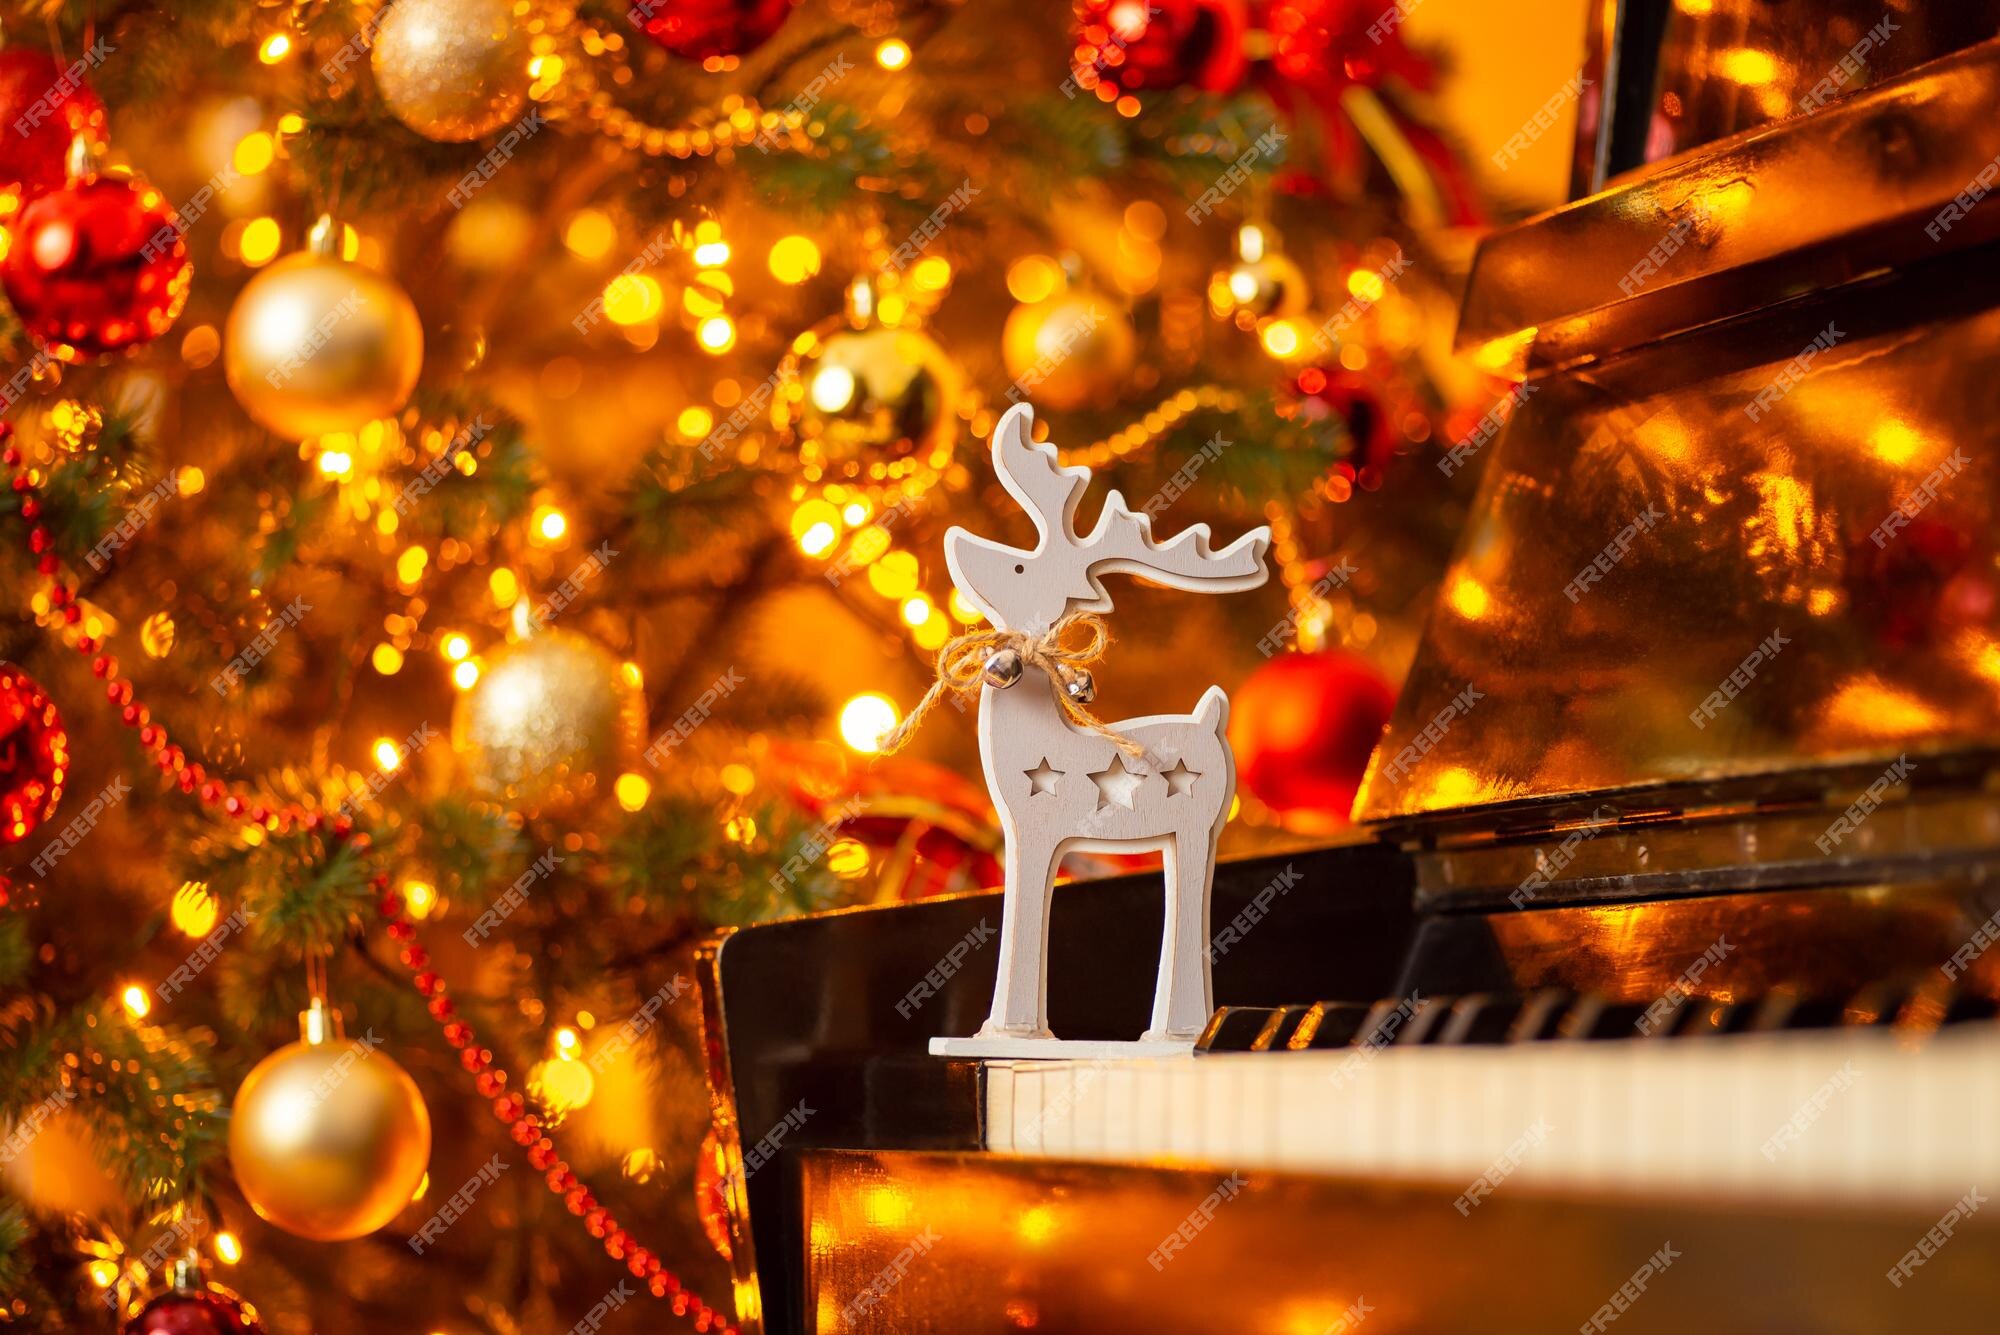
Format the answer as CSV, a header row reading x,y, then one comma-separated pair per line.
x,y
933,1243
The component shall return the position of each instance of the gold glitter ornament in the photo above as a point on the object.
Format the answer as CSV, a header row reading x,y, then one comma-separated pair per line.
x,y
861,400
452,70
329,1139
316,343
552,720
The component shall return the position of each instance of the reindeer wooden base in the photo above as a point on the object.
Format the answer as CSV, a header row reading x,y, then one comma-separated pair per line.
x,y
1059,787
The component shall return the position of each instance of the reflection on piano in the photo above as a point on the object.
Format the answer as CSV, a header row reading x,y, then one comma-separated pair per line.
x,y
1660,992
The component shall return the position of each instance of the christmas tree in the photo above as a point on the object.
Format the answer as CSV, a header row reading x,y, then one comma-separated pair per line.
x,y
478,469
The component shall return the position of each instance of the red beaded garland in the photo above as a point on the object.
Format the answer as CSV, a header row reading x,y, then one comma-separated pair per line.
x,y
507,1105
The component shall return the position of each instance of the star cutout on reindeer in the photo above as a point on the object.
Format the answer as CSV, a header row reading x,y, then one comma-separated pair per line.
x,y
1042,778
1180,780
1115,784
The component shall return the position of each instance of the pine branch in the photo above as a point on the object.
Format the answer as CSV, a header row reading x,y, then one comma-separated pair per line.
x,y
144,1093
301,892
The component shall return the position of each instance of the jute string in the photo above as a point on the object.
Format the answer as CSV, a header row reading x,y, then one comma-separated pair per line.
x,y
961,671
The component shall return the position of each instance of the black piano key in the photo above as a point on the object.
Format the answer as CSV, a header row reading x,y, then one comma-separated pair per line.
x,y
1878,1004
1788,1010
1594,1017
1278,1031
1967,1007
1330,1024
1234,1028
1423,1021
1483,1017
1539,1016
1707,1017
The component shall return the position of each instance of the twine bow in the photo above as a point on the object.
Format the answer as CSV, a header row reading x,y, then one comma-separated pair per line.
x,y
961,671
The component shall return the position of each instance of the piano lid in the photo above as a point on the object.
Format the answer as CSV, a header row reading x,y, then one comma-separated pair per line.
x,y
1679,74
1741,521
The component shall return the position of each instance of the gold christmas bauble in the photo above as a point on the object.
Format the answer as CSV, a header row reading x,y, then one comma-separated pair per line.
x,y
317,344
1269,286
329,1140
1069,350
550,720
856,400
452,70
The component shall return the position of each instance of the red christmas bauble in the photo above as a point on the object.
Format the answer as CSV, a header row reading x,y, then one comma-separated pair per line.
x,y
44,107
708,30
1930,578
1129,45
1334,391
34,755
210,1311
1326,45
1303,727
96,267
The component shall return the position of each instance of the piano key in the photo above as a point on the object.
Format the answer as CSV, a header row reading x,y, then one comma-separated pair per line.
x,y
1873,1115
1480,1018
1786,1010
1329,1024
1594,1017
1706,1017
1422,1020
1235,1028
1539,1016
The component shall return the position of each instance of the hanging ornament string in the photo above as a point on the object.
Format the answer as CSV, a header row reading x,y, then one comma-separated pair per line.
x,y
250,807
997,657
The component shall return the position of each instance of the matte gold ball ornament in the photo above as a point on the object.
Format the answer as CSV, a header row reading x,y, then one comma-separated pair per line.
x,y
1071,349
329,1138
316,343
867,402
552,721
452,70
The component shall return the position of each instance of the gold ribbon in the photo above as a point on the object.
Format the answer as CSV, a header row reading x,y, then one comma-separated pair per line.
x,y
961,671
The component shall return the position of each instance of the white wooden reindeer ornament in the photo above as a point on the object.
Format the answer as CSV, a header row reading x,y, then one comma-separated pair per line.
x,y
1058,786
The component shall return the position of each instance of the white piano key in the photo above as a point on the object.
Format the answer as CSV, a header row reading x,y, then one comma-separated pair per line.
x,y
999,1078
1030,1106
1680,1115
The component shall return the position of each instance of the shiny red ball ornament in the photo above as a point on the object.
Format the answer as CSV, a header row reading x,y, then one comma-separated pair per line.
x,y
1324,46
97,267
44,107
212,1310
1125,46
1318,393
710,30
1929,579
1303,727
34,755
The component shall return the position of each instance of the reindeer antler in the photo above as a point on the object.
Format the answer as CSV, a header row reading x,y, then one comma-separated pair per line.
x,y
1125,540
1034,476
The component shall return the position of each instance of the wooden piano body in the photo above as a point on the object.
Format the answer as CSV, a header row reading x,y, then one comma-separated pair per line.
x,y
1657,995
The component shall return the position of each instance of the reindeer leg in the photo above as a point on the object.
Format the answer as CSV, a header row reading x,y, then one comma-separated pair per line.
x,y
1020,993
1184,995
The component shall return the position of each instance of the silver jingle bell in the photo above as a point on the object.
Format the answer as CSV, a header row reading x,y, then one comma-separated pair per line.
x,y
1003,668
1081,686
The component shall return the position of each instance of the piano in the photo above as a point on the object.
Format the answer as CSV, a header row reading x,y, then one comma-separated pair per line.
x,y
1656,990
